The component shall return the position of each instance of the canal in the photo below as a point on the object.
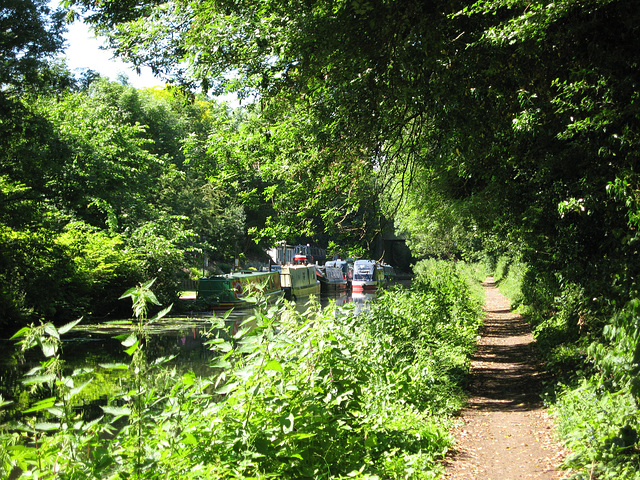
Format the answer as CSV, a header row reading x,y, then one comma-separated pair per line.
x,y
182,337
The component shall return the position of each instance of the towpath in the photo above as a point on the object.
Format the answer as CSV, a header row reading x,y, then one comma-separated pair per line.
x,y
505,432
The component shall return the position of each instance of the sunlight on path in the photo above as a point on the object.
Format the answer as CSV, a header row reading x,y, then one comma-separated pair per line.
x,y
505,432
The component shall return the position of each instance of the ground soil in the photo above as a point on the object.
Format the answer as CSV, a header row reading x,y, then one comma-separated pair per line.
x,y
505,433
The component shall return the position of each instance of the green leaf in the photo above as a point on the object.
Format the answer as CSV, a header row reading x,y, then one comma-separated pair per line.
x,y
229,387
41,405
116,411
302,436
161,314
274,365
48,349
114,366
51,330
149,284
220,363
128,293
82,371
65,328
56,412
162,360
245,372
46,426
287,422
189,378
129,340
21,333
131,350
371,441
34,379
33,371
151,297
189,439
78,389
221,347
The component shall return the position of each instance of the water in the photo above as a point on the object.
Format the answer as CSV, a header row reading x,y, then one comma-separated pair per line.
x,y
184,337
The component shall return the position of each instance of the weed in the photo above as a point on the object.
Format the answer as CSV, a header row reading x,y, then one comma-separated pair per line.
x,y
325,394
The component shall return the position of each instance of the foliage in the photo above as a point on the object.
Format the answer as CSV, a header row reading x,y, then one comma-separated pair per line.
x,y
95,183
430,351
601,429
434,224
324,394
108,175
33,33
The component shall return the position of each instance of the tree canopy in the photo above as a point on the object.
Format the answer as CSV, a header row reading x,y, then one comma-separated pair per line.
x,y
475,125
527,110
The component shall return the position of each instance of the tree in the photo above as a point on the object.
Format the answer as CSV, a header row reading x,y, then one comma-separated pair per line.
x,y
528,106
32,34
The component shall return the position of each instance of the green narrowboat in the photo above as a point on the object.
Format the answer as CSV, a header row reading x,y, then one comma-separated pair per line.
x,y
231,290
299,281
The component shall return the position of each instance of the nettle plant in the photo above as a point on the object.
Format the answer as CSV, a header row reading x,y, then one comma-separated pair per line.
x,y
30,447
52,438
288,395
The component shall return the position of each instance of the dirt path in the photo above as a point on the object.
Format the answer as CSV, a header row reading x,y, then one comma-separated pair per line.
x,y
506,433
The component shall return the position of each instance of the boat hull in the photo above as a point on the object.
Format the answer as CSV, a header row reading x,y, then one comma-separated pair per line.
x,y
333,288
235,289
364,287
332,280
301,291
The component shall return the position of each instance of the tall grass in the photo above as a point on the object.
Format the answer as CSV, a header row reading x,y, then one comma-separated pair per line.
x,y
326,394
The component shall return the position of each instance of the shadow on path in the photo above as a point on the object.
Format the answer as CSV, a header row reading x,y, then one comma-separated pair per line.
x,y
505,432
506,374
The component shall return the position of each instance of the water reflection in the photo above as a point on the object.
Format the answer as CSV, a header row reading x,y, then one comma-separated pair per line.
x,y
186,328
362,300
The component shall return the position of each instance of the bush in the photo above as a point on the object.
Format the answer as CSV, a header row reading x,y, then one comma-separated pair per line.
x,y
601,429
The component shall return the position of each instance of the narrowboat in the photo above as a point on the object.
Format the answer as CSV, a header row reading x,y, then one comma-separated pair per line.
x,y
332,280
231,290
299,281
344,266
367,275
389,273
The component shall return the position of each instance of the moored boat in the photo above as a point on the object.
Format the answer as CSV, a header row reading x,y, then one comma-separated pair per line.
x,y
299,281
389,274
367,275
344,266
231,290
332,280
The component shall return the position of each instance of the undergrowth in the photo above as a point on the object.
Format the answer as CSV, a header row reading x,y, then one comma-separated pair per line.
x,y
327,394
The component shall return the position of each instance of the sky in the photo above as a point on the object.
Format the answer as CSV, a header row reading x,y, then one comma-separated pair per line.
x,y
83,51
